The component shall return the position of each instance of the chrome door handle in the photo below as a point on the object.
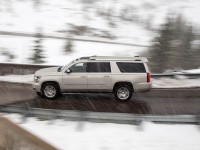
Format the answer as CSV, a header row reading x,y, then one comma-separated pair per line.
x,y
83,76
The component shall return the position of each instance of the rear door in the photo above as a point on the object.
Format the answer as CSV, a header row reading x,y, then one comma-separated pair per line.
x,y
99,76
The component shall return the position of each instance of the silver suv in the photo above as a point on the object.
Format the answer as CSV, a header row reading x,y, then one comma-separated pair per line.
x,y
105,74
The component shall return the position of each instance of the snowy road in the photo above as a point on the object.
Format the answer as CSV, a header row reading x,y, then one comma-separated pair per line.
x,y
97,135
158,101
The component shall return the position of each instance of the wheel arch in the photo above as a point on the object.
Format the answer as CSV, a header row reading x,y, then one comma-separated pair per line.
x,y
123,83
54,82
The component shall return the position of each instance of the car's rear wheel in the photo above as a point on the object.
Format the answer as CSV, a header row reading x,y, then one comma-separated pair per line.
x,y
50,90
123,93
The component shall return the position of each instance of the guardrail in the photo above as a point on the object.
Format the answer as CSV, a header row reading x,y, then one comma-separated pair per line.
x,y
172,75
20,69
124,118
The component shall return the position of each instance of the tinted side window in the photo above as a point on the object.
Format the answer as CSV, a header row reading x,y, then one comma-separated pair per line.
x,y
131,67
80,67
98,67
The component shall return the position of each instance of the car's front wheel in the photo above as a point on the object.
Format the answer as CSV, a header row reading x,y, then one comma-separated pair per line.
x,y
123,93
50,90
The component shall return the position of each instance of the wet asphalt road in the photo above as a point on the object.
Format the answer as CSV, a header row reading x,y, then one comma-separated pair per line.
x,y
157,102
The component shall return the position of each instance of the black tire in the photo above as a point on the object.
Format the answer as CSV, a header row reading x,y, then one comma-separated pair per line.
x,y
50,90
125,91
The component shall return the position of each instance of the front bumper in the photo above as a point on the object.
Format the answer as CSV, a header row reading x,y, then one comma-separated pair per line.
x,y
36,86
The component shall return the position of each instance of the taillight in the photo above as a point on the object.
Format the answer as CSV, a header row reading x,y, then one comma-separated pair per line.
x,y
148,77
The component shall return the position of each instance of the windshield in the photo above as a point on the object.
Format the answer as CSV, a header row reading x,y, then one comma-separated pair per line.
x,y
66,66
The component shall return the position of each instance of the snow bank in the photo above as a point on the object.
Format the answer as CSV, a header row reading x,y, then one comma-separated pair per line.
x,y
192,71
18,78
67,135
178,82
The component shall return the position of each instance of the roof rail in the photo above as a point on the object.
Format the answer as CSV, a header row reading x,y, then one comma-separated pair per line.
x,y
137,58
87,57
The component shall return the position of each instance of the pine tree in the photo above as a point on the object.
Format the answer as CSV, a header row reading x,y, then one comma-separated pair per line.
x,y
5,52
172,48
160,50
37,50
69,45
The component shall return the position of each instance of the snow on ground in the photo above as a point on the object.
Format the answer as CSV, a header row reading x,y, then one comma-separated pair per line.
x,y
53,16
67,135
192,71
17,78
177,82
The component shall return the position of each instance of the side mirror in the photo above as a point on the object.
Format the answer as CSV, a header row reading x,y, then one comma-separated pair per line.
x,y
68,71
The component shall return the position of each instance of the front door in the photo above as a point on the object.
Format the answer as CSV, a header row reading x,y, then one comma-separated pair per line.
x,y
76,79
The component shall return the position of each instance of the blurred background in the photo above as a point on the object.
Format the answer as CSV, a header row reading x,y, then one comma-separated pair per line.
x,y
55,32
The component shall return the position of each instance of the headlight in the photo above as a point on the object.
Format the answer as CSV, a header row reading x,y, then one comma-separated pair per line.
x,y
36,78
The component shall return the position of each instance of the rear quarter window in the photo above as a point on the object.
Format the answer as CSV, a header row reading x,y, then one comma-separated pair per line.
x,y
129,67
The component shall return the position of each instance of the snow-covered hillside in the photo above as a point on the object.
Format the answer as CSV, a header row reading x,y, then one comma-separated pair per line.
x,y
111,20
123,20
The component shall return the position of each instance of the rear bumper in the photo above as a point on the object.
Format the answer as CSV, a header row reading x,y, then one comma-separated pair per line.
x,y
142,87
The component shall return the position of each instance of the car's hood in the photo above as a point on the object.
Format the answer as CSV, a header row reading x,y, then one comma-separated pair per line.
x,y
47,70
